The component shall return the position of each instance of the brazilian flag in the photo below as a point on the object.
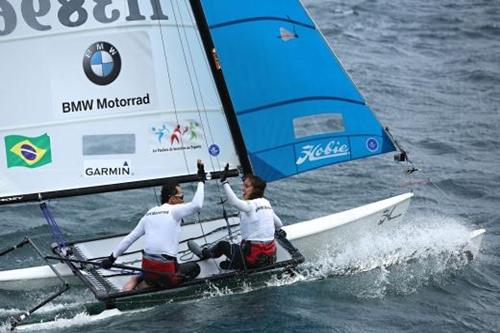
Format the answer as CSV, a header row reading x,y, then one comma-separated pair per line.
x,y
23,151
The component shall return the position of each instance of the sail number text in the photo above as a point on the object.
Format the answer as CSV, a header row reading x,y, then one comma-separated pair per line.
x,y
70,13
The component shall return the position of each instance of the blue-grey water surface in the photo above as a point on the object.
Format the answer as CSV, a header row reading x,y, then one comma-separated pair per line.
x,y
431,72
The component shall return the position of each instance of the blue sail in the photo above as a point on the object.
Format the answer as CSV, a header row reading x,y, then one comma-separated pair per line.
x,y
295,105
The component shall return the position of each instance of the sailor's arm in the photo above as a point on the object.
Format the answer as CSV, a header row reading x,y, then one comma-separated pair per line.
x,y
277,222
242,205
182,210
129,239
124,245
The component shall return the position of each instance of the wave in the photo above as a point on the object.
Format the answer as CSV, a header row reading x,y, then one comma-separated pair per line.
x,y
427,251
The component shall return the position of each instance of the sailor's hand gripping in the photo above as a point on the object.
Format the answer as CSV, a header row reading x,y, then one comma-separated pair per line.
x,y
108,262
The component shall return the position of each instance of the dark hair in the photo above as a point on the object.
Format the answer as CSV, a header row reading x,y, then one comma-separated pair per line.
x,y
259,186
168,190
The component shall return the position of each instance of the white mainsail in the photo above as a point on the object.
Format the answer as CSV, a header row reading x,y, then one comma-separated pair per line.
x,y
105,96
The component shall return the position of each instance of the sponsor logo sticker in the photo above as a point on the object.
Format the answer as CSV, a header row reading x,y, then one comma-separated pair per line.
x,y
23,151
170,136
214,150
107,168
287,35
372,144
102,63
322,151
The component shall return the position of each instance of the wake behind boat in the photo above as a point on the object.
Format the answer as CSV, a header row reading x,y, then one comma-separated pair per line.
x,y
132,96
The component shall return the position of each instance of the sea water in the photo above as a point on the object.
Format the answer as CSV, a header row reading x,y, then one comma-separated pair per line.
x,y
431,72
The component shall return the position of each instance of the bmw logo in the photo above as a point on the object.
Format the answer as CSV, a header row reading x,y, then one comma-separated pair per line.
x,y
214,150
372,144
102,63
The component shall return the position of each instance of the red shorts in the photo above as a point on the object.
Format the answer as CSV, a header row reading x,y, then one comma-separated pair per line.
x,y
258,254
160,272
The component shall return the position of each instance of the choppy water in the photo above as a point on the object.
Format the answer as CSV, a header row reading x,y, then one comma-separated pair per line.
x,y
431,71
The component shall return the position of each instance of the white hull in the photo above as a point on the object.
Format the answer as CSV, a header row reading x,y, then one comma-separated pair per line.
x,y
310,237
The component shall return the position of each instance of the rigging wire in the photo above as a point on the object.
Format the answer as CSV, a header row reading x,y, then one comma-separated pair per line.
x,y
157,199
194,80
188,71
207,65
411,168
197,81
198,86
170,81
172,94
230,235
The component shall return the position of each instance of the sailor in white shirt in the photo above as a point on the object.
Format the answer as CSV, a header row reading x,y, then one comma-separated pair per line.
x,y
161,228
258,224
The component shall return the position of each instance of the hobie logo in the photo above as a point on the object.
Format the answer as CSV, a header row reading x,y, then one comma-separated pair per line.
x,y
23,151
322,151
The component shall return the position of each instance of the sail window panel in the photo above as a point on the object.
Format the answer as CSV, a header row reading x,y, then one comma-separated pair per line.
x,y
318,124
111,144
277,126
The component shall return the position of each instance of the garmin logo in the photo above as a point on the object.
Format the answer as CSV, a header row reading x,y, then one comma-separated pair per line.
x,y
320,151
104,104
108,169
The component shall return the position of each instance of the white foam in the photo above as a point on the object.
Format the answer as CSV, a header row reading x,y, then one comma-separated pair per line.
x,y
425,249
80,319
215,291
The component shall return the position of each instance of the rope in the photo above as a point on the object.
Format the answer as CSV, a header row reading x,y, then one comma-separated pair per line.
x,y
54,228
194,80
193,91
170,83
410,168
158,203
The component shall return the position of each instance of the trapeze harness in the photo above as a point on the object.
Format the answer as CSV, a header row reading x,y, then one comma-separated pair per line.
x,y
161,227
258,223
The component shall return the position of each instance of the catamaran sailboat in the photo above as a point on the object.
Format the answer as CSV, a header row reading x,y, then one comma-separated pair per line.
x,y
129,94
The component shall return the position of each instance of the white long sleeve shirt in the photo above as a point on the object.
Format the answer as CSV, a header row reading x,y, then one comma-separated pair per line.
x,y
161,227
257,218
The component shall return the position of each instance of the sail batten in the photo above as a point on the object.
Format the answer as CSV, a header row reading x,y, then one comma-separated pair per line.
x,y
299,100
262,18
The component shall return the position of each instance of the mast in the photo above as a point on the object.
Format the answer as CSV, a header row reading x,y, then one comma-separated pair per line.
x,y
220,82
